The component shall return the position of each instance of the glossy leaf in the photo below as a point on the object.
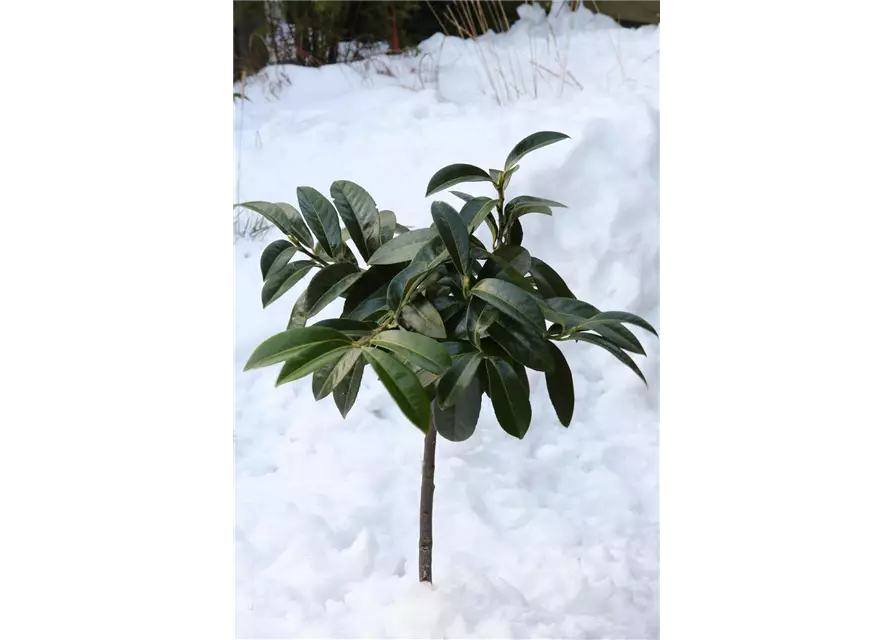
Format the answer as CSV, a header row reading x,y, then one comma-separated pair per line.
x,y
457,378
462,196
549,283
511,402
516,233
282,260
560,383
508,177
373,283
403,248
283,216
475,211
522,343
511,300
531,143
616,317
359,214
345,394
611,348
576,315
268,257
343,367
309,360
368,308
478,319
457,422
318,379
298,318
495,175
453,233
328,284
428,257
491,224
321,217
347,326
454,174
530,204
420,315
403,385
416,349
388,226
513,256
290,343
284,279
299,230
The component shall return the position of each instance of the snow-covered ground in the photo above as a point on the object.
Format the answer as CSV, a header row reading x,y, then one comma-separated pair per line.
x,y
554,536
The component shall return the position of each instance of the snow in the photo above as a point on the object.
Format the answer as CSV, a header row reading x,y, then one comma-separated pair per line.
x,y
553,536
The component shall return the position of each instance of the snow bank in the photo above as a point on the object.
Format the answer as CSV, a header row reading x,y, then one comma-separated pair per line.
x,y
553,536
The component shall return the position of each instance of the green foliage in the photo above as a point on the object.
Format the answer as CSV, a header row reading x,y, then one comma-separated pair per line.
x,y
441,318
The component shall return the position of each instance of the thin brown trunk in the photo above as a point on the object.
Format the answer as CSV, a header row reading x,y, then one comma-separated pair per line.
x,y
426,509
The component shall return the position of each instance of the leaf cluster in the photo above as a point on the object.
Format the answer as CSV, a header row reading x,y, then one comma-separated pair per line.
x,y
442,319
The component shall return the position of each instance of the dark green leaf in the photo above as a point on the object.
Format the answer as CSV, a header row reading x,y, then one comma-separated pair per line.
x,y
368,308
402,229
319,379
309,360
321,217
453,233
495,175
428,257
298,318
281,281
509,256
388,226
297,226
560,383
290,344
575,315
454,174
516,233
282,260
531,143
491,224
548,281
462,196
456,348
522,343
347,326
268,257
328,284
478,319
283,216
511,300
416,349
404,247
403,385
360,215
611,348
475,211
420,315
614,317
521,205
457,423
373,283
511,402
523,211
457,378
508,177
345,394
340,371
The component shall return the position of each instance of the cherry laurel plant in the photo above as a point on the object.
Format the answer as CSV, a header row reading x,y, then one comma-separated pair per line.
x,y
441,318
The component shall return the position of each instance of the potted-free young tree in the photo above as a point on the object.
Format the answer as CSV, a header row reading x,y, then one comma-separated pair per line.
x,y
442,319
